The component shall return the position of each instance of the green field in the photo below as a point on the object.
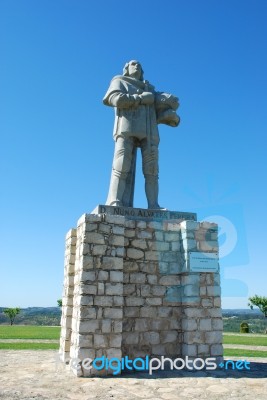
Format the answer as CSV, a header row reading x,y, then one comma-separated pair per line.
x,y
29,332
244,353
29,346
246,340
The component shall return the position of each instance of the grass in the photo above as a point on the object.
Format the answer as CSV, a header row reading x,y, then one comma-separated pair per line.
x,y
246,340
29,346
52,333
29,332
244,353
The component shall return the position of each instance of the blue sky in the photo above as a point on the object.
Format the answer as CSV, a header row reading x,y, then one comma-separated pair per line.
x,y
57,59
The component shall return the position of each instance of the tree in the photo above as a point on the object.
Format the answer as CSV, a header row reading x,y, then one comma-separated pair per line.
x,y
258,301
59,302
11,313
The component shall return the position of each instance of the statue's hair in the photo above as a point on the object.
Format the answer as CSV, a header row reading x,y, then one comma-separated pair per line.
x,y
126,70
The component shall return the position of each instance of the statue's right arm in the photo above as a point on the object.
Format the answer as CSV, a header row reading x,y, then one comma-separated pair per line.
x,y
123,100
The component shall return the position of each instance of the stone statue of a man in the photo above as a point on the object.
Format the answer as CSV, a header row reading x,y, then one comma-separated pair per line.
x,y
138,111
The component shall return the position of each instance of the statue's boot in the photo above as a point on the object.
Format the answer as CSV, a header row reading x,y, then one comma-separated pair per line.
x,y
152,191
116,189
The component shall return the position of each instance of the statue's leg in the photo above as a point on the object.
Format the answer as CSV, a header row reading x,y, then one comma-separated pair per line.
x,y
120,168
150,171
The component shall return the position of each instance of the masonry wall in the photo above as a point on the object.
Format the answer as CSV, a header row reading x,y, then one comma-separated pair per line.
x,y
134,293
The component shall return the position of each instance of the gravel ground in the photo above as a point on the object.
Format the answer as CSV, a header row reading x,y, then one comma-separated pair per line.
x,y
35,375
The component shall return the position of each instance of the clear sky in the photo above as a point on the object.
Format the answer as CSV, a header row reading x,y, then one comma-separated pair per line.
x,y
57,59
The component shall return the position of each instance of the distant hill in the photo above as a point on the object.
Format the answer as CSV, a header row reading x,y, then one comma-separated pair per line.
x,y
49,316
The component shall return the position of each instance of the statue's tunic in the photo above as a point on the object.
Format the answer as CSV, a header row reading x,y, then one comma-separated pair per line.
x,y
131,118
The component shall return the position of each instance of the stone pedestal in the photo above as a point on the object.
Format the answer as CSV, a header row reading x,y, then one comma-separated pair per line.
x,y
131,287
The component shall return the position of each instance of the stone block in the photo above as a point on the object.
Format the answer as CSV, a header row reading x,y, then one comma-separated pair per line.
x,y
152,279
118,300
189,244
113,353
145,290
158,246
189,350
135,253
164,312
216,350
153,301
214,337
170,280
129,233
205,324
169,336
144,235
99,249
134,301
115,340
87,262
189,324
137,277
128,289
94,238
116,326
208,225
203,350
211,245
100,341
213,291
141,324
159,236
87,313
159,350
83,300
152,255
131,337
87,289
106,325
100,288
112,263
103,301
217,324
87,276
148,312
158,290
114,289
84,340
151,337
217,302
115,240
130,311
129,223
171,237
139,244
103,275
116,276
118,230
115,313
191,290
115,219
190,225
206,303
88,326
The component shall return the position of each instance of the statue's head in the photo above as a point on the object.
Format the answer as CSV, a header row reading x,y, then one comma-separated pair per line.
x,y
133,69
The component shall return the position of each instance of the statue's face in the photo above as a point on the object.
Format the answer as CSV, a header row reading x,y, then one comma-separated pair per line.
x,y
135,69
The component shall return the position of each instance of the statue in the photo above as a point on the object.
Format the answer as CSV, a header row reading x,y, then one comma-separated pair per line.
x,y
138,111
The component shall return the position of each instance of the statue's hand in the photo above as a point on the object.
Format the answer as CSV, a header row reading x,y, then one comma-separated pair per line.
x,y
147,98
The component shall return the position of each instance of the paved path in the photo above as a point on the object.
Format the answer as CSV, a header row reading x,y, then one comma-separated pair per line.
x,y
244,346
29,341
29,374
